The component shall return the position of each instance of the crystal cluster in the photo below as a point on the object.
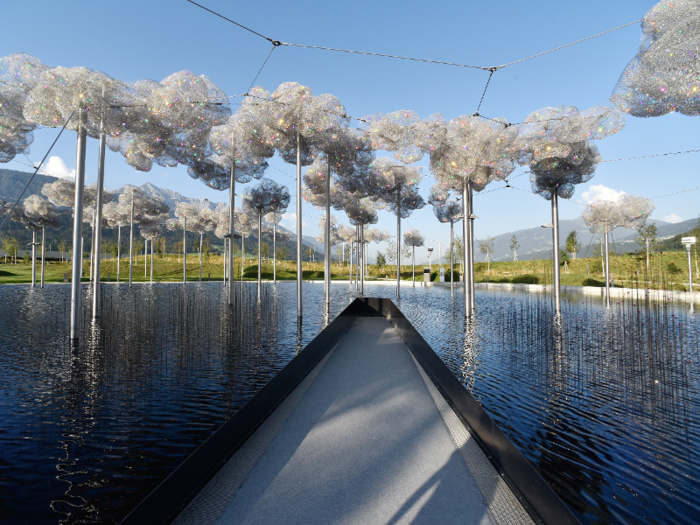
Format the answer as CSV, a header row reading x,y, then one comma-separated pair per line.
x,y
629,211
664,76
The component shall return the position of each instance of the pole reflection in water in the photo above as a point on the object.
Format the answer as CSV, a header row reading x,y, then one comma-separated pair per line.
x,y
602,402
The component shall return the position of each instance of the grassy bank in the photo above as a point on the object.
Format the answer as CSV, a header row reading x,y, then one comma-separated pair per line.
x,y
666,270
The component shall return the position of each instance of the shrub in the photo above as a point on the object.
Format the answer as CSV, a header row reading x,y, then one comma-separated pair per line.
x,y
526,279
588,281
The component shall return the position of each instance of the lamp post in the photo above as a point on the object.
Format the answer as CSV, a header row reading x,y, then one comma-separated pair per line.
x,y
688,242
430,263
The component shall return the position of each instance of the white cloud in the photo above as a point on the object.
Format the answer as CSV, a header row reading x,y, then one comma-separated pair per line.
x,y
673,218
291,219
599,192
57,168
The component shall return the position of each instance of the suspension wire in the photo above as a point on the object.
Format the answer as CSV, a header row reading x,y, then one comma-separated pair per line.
x,y
36,171
657,155
426,60
429,61
261,67
233,22
571,44
493,70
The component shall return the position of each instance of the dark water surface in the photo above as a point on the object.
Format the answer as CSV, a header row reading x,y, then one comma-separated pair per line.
x,y
606,405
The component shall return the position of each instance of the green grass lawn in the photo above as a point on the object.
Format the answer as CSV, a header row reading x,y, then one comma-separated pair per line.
x,y
668,269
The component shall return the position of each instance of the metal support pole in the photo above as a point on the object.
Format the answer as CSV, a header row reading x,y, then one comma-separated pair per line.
x,y
119,249
33,258
467,253
555,243
201,240
225,265
78,227
131,241
259,255
607,272
242,255
452,260
98,221
274,253
299,232
362,260
145,258
43,259
398,246
414,266
327,243
151,260
472,279
184,251
231,215
92,246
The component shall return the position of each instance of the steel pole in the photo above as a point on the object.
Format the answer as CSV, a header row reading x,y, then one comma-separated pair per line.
x,y
472,280
362,260
43,259
607,272
184,251
119,249
131,241
274,253
145,257
259,254
398,245
555,243
231,215
299,232
98,220
225,265
201,240
151,260
414,266
466,256
33,258
327,243
78,227
452,260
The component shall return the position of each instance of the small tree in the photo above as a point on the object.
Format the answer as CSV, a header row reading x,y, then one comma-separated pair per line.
x,y
265,249
161,245
572,244
309,253
63,246
381,260
514,247
390,255
282,253
138,249
646,237
486,247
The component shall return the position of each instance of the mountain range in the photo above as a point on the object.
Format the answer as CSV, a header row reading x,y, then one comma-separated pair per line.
x,y
535,243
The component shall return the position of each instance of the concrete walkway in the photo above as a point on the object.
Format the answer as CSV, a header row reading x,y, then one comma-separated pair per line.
x,y
365,439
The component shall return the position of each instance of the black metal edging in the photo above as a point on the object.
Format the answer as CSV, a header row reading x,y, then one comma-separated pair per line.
x,y
164,503
522,476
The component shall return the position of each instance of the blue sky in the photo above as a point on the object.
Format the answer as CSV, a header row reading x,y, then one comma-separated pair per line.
x,y
132,39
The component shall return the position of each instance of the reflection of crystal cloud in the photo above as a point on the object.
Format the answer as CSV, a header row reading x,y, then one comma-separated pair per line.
x,y
266,197
555,143
413,238
475,150
664,76
629,211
